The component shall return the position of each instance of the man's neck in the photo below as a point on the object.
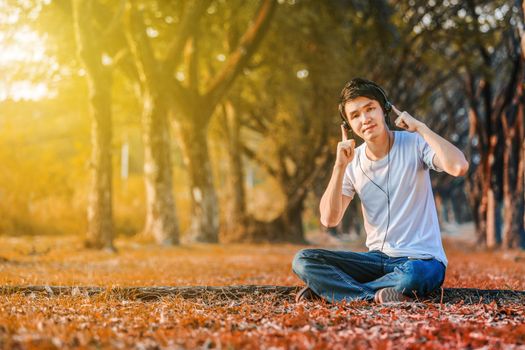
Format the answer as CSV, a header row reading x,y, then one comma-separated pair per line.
x,y
380,146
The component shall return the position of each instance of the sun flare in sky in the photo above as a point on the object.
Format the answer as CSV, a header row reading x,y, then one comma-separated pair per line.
x,y
23,60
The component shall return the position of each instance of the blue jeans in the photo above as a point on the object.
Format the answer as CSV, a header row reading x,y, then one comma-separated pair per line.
x,y
346,275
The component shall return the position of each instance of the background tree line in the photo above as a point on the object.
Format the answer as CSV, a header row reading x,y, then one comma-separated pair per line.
x,y
233,107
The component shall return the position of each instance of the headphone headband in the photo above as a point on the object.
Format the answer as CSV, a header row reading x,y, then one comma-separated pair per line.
x,y
388,105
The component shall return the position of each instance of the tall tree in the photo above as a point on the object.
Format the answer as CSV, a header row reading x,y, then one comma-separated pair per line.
x,y
192,103
513,122
161,220
100,232
292,144
491,85
236,215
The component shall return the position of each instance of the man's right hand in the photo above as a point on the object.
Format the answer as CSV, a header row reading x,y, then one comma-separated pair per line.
x,y
345,150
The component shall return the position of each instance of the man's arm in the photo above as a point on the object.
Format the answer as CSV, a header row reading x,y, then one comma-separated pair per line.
x,y
447,156
334,203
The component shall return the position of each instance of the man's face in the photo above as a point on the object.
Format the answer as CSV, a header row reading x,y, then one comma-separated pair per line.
x,y
365,117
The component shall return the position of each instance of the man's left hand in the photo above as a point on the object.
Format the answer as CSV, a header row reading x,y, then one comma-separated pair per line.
x,y
406,121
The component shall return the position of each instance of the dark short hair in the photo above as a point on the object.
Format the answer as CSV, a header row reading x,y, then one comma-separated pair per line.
x,y
359,87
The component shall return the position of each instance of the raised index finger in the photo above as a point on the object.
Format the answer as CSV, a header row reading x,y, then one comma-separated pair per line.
x,y
397,111
344,135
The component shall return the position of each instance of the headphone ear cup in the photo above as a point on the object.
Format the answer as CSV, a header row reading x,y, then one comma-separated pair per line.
x,y
349,130
388,106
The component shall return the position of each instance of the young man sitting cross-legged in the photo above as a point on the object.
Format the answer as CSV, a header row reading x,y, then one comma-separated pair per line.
x,y
390,173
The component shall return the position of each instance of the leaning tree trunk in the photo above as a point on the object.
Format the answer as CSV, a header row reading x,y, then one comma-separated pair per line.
x,y
204,205
161,220
99,213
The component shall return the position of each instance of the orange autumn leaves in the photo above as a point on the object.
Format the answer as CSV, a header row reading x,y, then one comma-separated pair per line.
x,y
222,321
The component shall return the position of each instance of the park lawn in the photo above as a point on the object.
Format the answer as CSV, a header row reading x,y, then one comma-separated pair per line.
x,y
218,321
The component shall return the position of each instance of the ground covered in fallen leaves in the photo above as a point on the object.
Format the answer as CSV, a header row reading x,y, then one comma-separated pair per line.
x,y
248,322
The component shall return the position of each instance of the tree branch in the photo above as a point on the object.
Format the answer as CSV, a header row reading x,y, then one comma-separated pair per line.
x,y
189,22
140,47
193,63
239,58
253,156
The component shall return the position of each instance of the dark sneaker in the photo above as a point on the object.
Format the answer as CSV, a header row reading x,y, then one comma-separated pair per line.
x,y
306,294
390,295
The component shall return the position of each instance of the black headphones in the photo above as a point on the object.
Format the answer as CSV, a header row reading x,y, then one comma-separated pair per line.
x,y
387,107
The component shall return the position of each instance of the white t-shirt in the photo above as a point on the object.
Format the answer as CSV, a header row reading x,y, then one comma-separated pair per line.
x,y
414,228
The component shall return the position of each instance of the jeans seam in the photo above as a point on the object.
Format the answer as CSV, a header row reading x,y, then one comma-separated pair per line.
x,y
345,280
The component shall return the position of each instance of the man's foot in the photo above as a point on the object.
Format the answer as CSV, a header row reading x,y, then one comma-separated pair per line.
x,y
306,294
390,295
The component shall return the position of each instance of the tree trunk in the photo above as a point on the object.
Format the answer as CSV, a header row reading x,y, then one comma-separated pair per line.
x,y
481,182
513,169
521,135
521,167
287,227
461,212
478,203
193,102
439,207
235,214
291,221
99,212
511,200
491,220
204,207
161,219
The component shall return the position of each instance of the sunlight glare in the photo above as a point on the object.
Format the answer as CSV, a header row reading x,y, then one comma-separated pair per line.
x,y
22,50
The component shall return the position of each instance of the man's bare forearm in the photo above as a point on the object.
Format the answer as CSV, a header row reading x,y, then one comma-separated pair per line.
x,y
331,206
447,156
451,159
